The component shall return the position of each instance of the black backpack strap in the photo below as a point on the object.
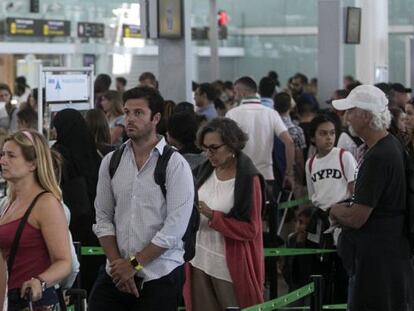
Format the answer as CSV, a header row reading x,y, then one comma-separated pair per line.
x,y
22,224
115,160
160,171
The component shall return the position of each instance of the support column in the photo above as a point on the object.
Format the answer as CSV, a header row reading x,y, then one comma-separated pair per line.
x,y
7,69
372,53
411,62
213,34
175,61
330,48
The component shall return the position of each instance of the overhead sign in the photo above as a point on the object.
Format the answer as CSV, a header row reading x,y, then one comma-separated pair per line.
x,y
131,31
55,28
21,26
170,19
91,30
37,27
67,87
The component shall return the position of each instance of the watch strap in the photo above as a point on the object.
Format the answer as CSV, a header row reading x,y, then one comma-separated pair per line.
x,y
43,283
135,264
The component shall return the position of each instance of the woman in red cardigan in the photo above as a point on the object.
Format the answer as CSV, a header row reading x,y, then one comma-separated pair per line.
x,y
228,268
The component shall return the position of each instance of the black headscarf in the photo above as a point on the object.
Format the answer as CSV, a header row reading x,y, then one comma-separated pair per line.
x,y
76,144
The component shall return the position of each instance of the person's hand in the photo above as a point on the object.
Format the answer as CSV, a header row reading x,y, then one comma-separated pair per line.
x,y
332,220
36,288
289,182
121,271
129,287
205,210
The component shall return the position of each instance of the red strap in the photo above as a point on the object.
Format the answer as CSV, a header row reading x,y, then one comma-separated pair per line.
x,y
341,153
310,163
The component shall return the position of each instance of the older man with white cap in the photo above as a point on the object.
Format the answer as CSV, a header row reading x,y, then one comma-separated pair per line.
x,y
373,244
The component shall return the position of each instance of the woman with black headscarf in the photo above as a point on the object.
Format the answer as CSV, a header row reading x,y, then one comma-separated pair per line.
x,y
79,178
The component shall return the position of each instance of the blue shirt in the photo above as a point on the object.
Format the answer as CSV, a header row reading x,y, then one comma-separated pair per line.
x,y
209,111
132,208
267,101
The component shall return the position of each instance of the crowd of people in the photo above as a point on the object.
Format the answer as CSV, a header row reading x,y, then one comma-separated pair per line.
x,y
182,197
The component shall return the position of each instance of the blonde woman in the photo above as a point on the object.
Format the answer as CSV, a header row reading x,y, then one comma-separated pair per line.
x,y
112,105
42,254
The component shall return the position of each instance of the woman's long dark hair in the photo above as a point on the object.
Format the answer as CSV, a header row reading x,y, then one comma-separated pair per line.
x,y
394,129
98,126
76,144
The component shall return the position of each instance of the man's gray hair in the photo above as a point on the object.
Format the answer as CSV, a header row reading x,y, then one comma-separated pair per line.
x,y
380,120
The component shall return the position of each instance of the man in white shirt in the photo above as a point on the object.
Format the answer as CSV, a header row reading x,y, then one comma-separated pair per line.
x,y
140,228
261,124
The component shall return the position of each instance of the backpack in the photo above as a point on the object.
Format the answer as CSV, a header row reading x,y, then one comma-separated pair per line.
x,y
357,141
341,162
190,234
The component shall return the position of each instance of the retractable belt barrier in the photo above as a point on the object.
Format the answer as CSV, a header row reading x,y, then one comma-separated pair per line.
x,y
275,304
284,251
284,300
268,252
293,203
326,307
281,303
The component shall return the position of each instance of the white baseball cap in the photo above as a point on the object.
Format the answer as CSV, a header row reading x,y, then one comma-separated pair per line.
x,y
366,97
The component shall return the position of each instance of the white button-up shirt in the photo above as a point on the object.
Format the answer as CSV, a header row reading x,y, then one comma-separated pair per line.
x,y
132,207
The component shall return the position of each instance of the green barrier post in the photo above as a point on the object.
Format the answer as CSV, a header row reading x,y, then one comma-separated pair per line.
x,y
316,300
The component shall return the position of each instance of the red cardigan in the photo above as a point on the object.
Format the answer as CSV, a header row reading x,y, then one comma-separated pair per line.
x,y
244,252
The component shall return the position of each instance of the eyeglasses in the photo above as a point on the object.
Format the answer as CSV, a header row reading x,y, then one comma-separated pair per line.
x,y
211,148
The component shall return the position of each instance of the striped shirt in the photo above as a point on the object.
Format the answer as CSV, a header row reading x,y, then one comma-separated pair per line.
x,y
295,131
132,207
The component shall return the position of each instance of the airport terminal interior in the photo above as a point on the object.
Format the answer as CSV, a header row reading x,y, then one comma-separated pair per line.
x,y
206,155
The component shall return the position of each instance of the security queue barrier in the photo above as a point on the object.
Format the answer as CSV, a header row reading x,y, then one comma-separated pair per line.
x,y
293,203
268,252
280,303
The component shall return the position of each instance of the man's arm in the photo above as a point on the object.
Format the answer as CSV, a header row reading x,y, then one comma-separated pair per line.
x,y
179,201
110,247
149,253
299,165
104,228
289,153
105,231
354,216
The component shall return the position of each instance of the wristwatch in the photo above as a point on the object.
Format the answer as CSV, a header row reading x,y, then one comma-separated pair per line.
x,y
43,283
135,264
